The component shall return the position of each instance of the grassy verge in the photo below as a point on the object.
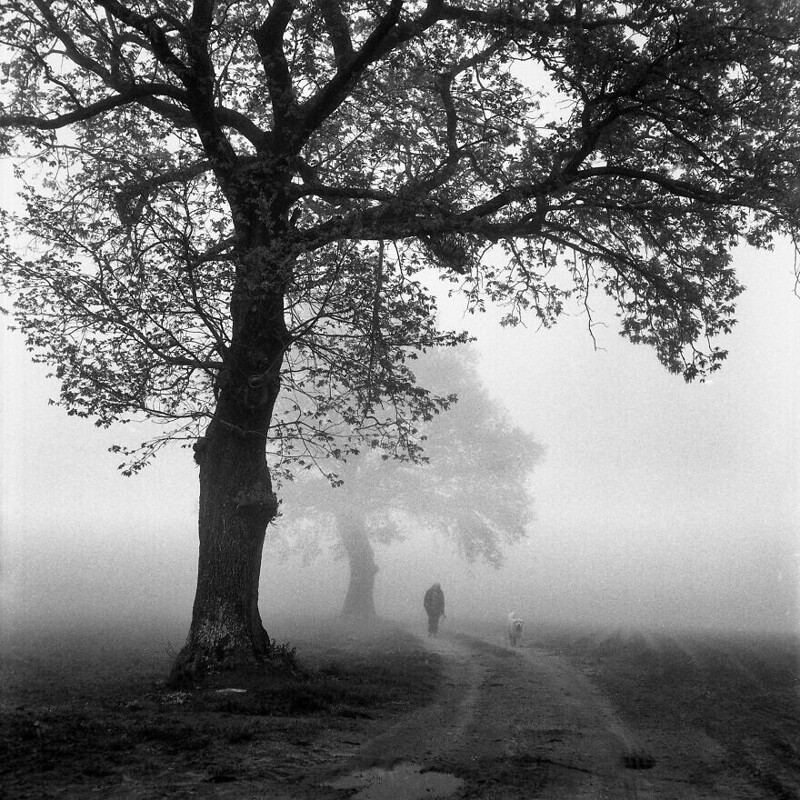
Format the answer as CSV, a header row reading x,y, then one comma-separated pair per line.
x,y
86,715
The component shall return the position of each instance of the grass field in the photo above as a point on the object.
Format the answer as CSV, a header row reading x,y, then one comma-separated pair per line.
x,y
742,690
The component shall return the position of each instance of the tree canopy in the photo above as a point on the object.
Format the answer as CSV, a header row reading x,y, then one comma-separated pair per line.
x,y
473,488
228,205
629,144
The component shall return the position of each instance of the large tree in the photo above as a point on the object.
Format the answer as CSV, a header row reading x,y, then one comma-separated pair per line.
x,y
227,201
473,487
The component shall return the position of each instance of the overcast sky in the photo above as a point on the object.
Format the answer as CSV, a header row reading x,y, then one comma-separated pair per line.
x,y
657,501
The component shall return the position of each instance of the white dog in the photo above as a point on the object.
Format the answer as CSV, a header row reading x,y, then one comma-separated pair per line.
x,y
514,628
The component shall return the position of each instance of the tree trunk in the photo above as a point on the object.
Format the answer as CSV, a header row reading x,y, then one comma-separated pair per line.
x,y
360,600
236,498
236,505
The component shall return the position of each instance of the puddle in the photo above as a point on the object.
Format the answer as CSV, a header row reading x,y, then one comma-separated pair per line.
x,y
403,782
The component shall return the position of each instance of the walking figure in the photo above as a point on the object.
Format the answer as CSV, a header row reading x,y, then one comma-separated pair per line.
x,y
434,608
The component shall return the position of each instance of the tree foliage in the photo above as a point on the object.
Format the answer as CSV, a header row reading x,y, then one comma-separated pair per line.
x,y
473,488
630,145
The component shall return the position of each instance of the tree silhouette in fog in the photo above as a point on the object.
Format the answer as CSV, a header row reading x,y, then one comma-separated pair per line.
x,y
228,205
473,488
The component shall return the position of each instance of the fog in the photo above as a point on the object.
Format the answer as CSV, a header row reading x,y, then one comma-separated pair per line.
x,y
657,503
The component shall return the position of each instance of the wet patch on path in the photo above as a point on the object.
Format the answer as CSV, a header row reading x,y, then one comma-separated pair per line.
x,y
403,782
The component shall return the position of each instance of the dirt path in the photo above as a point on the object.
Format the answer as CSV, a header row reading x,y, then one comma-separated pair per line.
x,y
523,723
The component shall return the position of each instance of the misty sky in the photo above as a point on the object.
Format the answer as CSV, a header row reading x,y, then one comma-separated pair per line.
x,y
657,501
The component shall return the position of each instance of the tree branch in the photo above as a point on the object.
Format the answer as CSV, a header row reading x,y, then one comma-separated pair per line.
x,y
152,31
506,20
674,186
131,95
385,36
269,41
338,31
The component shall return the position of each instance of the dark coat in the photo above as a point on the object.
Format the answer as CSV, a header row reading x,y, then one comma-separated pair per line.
x,y
434,601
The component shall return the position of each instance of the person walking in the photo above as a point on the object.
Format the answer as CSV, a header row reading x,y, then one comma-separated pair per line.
x,y
434,608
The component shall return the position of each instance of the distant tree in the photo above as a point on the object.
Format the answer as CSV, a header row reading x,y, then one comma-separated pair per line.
x,y
473,488
227,203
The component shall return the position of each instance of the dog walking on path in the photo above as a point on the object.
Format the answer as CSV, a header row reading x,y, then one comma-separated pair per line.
x,y
514,628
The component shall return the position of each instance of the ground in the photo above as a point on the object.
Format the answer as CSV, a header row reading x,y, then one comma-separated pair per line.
x,y
382,712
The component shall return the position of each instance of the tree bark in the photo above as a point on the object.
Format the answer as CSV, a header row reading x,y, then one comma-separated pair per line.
x,y
236,505
236,498
360,599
